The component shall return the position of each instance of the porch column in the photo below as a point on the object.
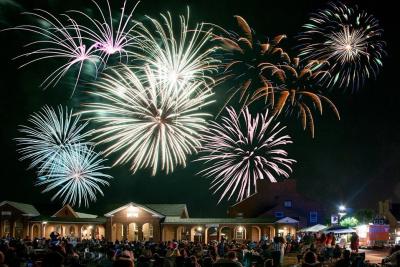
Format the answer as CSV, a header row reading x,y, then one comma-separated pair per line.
x,y
108,229
125,230
140,231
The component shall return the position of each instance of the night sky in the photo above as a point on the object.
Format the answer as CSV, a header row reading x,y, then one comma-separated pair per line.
x,y
355,161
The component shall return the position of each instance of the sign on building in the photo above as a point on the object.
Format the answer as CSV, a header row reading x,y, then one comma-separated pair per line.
x,y
334,219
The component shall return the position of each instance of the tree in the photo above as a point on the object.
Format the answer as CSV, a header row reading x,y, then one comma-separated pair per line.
x,y
349,222
364,216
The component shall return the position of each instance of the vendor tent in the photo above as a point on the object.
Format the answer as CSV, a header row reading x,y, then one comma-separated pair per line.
x,y
313,229
339,230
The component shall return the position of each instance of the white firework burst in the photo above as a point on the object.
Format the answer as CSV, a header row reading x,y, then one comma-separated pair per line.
x,y
50,134
77,176
240,152
177,54
153,125
349,39
58,40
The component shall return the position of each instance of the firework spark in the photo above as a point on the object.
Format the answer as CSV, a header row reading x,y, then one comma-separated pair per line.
x,y
77,176
178,55
348,38
58,40
50,134
250,62
297,91
155,126
241,153
106,36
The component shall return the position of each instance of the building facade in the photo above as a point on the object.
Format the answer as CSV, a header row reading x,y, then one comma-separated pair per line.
x,y
277,209
280,200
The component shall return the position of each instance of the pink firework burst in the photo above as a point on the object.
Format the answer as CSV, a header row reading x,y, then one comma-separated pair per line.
x,y
243,149
58,40
108,37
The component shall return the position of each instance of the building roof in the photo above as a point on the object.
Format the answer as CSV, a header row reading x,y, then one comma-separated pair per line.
x,y
178,220
27,209
86,215
130,204
99,220
169,209
287,220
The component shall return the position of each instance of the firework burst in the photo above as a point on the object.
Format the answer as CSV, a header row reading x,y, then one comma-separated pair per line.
x,y
242,151
297,91
58,40
250,62
178,55
77,176
348,38
106,36
154,125
50,134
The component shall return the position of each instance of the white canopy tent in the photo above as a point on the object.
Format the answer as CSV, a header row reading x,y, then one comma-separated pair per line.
x,y
313,229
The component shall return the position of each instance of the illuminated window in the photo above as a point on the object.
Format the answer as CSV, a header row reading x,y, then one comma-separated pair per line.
x,y
287,204
151,230
313,217
239,232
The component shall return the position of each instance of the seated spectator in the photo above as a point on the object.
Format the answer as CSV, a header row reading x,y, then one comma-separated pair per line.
x,y
394,256
53,259
230,261
345,260
2,260
269,263
310,259
337,252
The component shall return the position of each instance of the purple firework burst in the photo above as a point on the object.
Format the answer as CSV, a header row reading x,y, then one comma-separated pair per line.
x,y
242,150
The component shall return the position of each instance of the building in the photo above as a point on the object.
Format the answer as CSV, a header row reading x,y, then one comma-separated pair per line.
x,y
390,213
280,200
277,209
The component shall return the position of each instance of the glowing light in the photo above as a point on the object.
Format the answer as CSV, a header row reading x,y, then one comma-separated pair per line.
x,y
77,176
132,212
178,55
348,38
50,134
242,151
199,229
362,231
154,125
240,229
342,208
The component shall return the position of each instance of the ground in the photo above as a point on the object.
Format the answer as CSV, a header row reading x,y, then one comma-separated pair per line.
x,y
373,256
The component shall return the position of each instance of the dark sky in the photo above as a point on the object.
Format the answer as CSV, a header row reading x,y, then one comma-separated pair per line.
x,y
355,161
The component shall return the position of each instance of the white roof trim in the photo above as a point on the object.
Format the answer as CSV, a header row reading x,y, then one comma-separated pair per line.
x,y
70,208
287,220
153,212
11,203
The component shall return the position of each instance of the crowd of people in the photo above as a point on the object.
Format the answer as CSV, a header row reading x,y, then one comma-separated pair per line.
x,y
312,250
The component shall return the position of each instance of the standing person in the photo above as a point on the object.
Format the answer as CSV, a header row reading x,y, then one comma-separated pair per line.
x,y
283,247
354,242
276,251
